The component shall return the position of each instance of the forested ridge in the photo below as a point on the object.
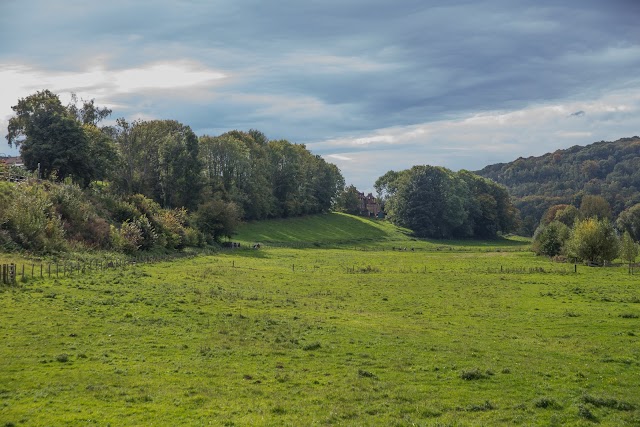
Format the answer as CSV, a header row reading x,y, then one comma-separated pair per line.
x,y
607,169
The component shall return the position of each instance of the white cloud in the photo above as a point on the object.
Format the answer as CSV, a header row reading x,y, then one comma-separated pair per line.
x,y
490,137
19,80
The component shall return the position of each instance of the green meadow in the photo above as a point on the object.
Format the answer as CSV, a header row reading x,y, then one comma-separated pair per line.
x,y
335,320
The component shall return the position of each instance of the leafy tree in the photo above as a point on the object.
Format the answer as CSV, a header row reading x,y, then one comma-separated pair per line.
x,y
432,202
595,207
628,248
49,136
550,239
593,240
629,221
349,201
568,215
217,219
159,159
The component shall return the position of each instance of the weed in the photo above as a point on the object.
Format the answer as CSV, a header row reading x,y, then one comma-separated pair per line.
x,y
546,403
603,402
584,412
313,346
629,316
486,406
62,358
366,374
473,374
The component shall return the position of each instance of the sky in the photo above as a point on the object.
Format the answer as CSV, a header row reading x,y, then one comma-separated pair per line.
x,y
370,85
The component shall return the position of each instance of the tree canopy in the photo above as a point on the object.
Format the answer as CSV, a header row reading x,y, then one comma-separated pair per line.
x,y
436,202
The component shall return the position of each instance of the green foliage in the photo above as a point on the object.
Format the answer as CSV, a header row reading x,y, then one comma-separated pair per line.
x,y
32,222
550,239
267,178
128,238
629,221
607,169
595,207
436,202
348,201
628,248
566,214
593,240
217,219
53,141
158,159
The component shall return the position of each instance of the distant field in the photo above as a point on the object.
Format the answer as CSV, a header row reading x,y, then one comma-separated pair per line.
x,y
448,334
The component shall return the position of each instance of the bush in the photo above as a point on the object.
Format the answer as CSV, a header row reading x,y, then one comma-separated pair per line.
x,y
126,239
32,222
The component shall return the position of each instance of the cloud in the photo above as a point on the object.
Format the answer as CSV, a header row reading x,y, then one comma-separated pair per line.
x,y
460,83
485,138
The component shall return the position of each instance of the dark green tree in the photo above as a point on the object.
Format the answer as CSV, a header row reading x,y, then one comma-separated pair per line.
x,y
629,221
348,200
50,137
159,159
432,202
550,239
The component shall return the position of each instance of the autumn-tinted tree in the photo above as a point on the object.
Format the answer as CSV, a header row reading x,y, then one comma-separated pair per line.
x,y
593,240
595,207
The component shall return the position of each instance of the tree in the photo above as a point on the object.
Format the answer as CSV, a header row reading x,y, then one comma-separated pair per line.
x,y
593,240
432,203
159,159
595,207
550,239
629,221
61,141
628,249
349,201
50,138
216,219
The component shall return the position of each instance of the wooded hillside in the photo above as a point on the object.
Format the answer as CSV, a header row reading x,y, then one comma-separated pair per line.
x,y
608,169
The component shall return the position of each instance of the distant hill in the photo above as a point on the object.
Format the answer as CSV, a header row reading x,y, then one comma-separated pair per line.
x,y
609,169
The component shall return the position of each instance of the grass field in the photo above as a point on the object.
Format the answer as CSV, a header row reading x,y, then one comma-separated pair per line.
x,y
323,327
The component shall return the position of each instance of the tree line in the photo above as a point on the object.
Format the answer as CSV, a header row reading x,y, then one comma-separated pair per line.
x,y
589,232
144,177
439,203
607,169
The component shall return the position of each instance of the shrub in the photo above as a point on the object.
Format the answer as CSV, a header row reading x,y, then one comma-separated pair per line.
x,y
126,239
32,222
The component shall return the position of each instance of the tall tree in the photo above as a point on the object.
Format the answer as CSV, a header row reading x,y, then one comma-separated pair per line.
x,y
629,221
50,137
159,159
432,202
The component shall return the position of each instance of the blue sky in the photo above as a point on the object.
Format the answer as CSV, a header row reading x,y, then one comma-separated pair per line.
x,y
369,85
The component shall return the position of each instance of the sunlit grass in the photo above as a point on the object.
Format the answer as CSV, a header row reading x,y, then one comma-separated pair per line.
x,y
326,336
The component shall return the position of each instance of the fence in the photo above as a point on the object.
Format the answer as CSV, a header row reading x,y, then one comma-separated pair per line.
x,y
8,274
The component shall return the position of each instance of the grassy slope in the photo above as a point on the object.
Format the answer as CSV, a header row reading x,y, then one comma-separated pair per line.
x,y
343,230
282,336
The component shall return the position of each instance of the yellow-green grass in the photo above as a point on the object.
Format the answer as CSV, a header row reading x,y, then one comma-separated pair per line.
x,y
282,336
343,230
